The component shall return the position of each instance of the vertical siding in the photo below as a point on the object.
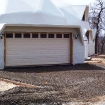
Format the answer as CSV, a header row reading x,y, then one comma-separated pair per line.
x,y
1,53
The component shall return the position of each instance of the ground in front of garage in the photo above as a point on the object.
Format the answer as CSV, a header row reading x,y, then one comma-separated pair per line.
x,y
82,84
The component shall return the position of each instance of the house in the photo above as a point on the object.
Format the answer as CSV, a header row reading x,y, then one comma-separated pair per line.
x,y
36,32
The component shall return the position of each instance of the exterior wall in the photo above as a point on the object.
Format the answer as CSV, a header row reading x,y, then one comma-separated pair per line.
x,y
78,51
91,46
86,48
1,54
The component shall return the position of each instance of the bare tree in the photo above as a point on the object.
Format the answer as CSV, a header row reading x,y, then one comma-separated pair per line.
x,y
97,19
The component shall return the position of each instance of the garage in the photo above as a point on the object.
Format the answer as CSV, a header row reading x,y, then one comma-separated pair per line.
x,y
37,48
42,32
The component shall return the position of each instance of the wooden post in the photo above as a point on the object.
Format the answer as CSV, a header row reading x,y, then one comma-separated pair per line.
x,y
5,49
71,48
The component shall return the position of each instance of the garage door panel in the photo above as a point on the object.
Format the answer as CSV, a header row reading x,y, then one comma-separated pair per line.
x,y
35,51
19,62
50,51
16,43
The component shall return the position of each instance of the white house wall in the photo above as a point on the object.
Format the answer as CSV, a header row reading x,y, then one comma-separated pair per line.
x,y
91,45
78,51
86,49
1,53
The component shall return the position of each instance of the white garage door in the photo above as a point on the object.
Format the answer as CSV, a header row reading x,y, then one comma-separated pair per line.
x,y
37,48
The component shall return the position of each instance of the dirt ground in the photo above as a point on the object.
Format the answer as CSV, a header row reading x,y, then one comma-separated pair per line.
x,y
56,85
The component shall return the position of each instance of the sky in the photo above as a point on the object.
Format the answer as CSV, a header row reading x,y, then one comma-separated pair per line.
x,y
80,2
61,3
73,2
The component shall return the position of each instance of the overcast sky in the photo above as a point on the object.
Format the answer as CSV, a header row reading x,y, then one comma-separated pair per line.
x,y
61,3
80,2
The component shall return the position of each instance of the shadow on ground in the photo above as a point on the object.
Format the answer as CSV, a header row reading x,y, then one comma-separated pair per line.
x,y
53,68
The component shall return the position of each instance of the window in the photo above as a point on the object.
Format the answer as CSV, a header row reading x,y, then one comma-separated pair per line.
x,y
27,35
58,35
66,36
18,35
34,35
50,35
9,35
87,35
43,36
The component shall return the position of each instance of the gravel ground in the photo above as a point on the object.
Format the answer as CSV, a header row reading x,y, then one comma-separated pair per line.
x,y
55,85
